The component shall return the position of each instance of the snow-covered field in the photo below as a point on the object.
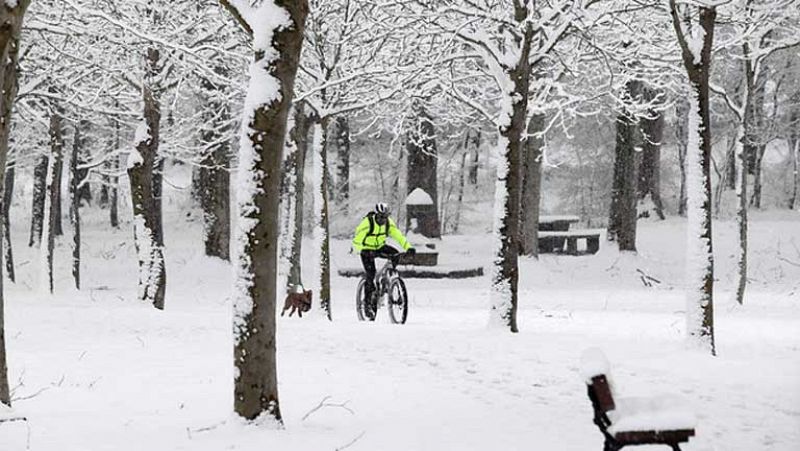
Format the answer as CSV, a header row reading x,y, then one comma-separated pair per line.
x,y
97,370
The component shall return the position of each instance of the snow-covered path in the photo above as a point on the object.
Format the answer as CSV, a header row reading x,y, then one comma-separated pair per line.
x,y
117,375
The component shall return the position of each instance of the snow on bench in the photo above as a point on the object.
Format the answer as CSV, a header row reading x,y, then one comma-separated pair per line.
x,y
633,421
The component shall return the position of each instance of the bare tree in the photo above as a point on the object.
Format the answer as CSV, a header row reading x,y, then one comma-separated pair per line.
x,y
276,28
622,212
652,127
75,201
11,15
696,54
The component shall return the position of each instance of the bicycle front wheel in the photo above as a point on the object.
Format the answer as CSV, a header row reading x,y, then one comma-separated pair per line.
x,y
360,300
398,302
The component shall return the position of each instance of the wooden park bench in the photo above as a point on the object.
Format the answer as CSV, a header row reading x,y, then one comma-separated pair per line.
x,y
633,421
550,242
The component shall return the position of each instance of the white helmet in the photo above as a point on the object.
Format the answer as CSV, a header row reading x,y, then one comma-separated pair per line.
x,y
381,208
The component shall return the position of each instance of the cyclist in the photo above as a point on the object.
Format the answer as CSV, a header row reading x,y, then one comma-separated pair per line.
x,y
370,242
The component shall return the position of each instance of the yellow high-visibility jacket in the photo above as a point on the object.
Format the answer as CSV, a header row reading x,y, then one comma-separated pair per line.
x,y
372,236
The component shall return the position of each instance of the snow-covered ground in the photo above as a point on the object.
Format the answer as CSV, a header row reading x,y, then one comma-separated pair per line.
x,y
97,370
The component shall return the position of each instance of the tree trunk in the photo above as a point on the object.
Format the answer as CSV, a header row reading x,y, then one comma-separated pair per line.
x,y
422,171
741,213
39,195
322,229
622,213
215,178
102,200
10,26
342,138
113,189
256,380
755,200
681,134
84,189
76,177
475,159
532,185
652,128
300,138
8,196
730,165
700,256
505,277
144,174
55,206
53,192
461,182
794,154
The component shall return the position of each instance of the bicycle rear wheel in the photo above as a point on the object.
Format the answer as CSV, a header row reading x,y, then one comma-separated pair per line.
x,y
398,302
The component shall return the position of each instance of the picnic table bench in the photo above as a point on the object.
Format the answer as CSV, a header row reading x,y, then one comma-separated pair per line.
x,y
554,232
633,421
550,242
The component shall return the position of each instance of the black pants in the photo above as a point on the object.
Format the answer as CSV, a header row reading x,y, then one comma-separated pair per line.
x,y
368,260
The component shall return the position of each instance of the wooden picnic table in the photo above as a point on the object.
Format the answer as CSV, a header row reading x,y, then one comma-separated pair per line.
x,y
554,223
554,231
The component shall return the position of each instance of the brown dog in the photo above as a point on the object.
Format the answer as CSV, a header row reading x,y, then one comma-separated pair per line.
x,y
298,302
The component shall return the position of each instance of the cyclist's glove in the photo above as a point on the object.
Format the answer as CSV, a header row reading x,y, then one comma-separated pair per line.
x,y
411,251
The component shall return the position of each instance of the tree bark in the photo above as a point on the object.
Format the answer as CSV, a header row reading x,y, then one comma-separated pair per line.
x,y
215,177
55,199
652,127
52,211
730,165
622,213
755,200
8,196
113,189
76,177
39,195
475,139
422,163
794,153
300,138
532,185
10,26
700,256
84,189
342,137
256,381
505,275
322,229
681,133
145,175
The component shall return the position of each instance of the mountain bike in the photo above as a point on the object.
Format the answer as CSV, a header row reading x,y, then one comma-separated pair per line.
x,y
389,289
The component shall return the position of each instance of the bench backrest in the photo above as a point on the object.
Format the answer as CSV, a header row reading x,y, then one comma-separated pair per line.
x,y
600,393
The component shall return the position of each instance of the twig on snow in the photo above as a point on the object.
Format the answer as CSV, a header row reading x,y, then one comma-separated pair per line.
x,y
33,395
351,442
325,403
647,279
204,429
